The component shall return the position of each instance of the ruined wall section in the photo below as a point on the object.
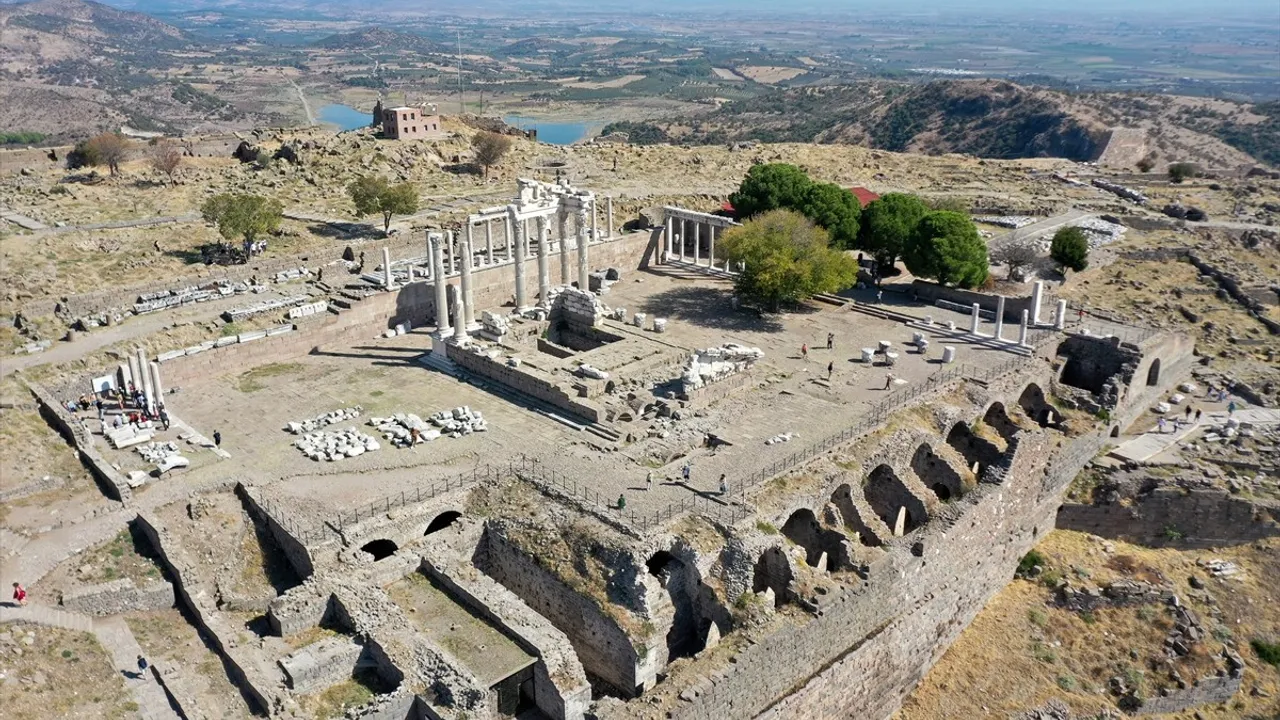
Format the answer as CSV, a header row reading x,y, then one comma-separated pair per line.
x,y
1172,517
875,642
601,645
119,596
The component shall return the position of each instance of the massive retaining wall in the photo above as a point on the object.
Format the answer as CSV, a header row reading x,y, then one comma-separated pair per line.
x,y
119,596
1172,517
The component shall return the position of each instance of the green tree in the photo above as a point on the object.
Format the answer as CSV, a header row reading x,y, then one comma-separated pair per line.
x,y
834,208
1181,171
887,225
372,194
243,216
489,148
770,187
945,245
1070,249
108,149
785,258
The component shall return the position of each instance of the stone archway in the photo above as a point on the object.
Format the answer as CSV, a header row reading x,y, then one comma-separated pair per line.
x,y
978,452
888,496
803,529
773,572
442,521
998,419
842,499
1037,407
686,637
1153,373
379,549
937,474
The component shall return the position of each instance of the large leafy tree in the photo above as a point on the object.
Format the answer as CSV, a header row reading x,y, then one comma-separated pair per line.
x,y
1070,249
243,216
770,187
887,225
108,149
785,258
945,245
834,208
372,194
489,148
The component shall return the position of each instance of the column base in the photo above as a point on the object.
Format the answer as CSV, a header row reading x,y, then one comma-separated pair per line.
x,y
438,341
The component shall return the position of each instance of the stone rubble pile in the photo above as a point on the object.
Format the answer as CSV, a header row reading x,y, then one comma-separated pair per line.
x,y
717,363
398,429
247,311
580,306
459,421
784,437
164,299
1121,190
154,452
493,325
1006,221
292,274
333,445
1220,568
324,420
586,370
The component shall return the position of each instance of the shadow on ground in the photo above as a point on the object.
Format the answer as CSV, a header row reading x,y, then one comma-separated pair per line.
x,y
708,307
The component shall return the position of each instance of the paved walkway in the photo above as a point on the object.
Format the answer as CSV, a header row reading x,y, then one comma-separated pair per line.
x,y
115,637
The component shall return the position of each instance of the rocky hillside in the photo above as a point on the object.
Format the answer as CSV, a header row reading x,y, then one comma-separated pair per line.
x,y
985,118
371,38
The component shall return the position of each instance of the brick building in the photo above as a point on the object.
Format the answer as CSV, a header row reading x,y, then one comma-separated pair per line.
x,y
409,123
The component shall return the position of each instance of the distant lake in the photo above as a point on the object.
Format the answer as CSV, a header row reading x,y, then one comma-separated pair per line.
x,y
346,118
556,133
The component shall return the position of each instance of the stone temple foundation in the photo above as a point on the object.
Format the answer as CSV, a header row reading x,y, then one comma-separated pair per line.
x,y
558,561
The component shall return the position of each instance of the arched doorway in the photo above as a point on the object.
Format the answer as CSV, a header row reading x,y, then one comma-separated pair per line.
x,y
978,452
842,498
686,637
998,419
942,479
773,572
1037,407
1153,373
442,521
888,496
380,549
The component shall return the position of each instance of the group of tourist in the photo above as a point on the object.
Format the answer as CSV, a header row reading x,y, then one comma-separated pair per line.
x,y
130,404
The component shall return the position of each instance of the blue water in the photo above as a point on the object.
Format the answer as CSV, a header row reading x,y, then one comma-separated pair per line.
x,y
556,133
346,118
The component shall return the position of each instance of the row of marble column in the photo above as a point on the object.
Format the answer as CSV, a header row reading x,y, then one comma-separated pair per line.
x,y
145,376
679,231
1030,318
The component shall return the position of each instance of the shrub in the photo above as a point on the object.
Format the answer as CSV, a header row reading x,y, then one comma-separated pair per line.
x,y
1038,617
1267,652
1031,560
1066,682
1070,249
1181,171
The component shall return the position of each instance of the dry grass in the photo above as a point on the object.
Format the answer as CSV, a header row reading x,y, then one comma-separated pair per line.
x,y
165,635
62,674
1019,652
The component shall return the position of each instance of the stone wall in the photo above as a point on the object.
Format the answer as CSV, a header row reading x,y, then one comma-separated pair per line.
x,y
1171,517
13,161
119,596
521,380
1207,691
295,551
601,645
321,664
1013,306
113,484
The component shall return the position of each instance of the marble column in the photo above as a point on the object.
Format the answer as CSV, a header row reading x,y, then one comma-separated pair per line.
x,y
608,206
488,241
437,272
448,253
470,244
506,238
680,243
1037,296
583,282
544,273
671,239
460,310
595,231
711,245
1022,331
522,302
465,251
1060,319
999,317
388,281
562,221
156,386
144,369
975,318
697,243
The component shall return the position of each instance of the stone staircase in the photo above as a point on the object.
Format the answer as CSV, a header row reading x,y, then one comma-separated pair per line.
x,y
47,616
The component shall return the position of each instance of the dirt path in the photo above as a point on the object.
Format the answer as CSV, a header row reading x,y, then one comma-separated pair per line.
x,y
306,105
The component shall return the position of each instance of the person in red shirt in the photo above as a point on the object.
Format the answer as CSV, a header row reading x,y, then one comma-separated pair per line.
x,y
19,595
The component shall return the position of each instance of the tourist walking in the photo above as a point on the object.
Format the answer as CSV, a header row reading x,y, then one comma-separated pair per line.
x,y
831,341
164,417
142,664
804,351
879,297
724,485
1231,408
831,367
19,594
687,471
888,381
648,479
217,438
622,502
1160,424
1187,414
1199,412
